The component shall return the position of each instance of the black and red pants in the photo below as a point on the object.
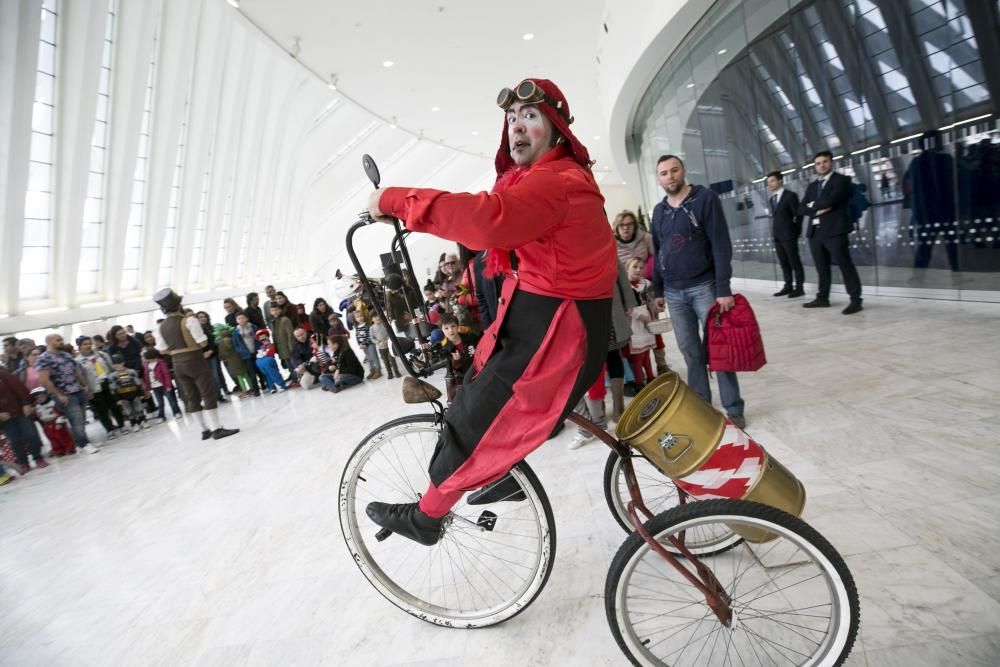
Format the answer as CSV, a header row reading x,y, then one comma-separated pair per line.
x,y
533,365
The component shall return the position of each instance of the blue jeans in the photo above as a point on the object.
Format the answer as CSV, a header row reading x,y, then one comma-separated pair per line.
x,y
688,309
23,438
346,380
76,413
269,367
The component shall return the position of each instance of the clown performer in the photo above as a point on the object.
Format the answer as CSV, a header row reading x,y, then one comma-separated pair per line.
x,y
544,229
183,339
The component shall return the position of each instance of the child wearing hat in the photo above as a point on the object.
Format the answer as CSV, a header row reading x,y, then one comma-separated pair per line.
x,y
128,391
267,363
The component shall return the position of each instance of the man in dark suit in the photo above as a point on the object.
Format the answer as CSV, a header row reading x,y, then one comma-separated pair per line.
x,y
826,205
786,225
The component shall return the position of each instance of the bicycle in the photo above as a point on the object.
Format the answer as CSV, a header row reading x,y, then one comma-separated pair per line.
x,y
697,581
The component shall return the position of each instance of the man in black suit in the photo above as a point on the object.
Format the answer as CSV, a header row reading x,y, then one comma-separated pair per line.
x,y
826,205
786,225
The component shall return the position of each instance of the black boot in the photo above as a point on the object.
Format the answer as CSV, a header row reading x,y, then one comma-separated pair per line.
x,y
220,433
407,520
787,289
205,435
505,488
797,292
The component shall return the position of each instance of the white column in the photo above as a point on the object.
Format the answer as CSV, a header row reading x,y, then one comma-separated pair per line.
x,y
133,50
81,31
20,23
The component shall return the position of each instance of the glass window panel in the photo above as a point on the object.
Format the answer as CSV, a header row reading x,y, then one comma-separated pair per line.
x,y
33,286
130,258
90,259
100,136
41,118
95,185
140,168
36,233
91,237
37,204
144,145
48,33
44,88
104,81
39,177
137,192
86,282
134,216
46,58
35,260
109,27
130,279
93,209
41,148
96,159
102,107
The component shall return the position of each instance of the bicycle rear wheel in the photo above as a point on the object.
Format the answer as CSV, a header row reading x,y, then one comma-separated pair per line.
x,y
492,560
793,599
660,494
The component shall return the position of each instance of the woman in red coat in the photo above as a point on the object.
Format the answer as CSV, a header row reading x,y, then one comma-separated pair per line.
x,y
545,229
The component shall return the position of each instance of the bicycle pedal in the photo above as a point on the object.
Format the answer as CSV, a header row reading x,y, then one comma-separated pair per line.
x,y
383,534
487,520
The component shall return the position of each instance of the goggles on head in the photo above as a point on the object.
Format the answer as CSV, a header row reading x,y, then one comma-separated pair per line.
x,y
528,92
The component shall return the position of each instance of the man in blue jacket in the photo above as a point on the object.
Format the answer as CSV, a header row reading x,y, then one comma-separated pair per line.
x,y
692,269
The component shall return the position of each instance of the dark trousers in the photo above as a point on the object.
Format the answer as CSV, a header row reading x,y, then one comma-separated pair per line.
x,y
169,394
791,264
197,381
23,437
105,406
836,247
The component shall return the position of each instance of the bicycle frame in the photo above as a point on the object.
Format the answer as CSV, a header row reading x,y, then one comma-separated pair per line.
x,y
706,583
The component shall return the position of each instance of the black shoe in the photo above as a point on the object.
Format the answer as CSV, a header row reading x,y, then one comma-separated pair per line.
x,y
505,488
631,389
407,520
739,421
220,433
787,289
797,292
222,399
853,307
206,434
817,303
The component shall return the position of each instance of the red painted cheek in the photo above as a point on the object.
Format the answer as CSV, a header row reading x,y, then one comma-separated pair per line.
x,y
536,133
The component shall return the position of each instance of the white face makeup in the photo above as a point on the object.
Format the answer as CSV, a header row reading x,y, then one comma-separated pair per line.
x,y
529,133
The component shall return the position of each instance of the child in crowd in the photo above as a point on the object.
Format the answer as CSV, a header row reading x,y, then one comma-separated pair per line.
x,y
337,327
642,341
284,340
54,423
156,377
303,358
266,362
363,333
245,343
127,389
380,334
344,369
233,362
96,365
459,346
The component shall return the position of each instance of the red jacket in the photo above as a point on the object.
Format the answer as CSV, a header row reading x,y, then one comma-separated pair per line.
x,y
552,215
161,372
13,394
733,338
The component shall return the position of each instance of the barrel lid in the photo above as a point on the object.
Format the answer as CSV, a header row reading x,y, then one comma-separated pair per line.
x,y
647,406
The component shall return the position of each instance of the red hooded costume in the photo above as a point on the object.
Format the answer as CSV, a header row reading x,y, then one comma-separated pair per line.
x,y
549,341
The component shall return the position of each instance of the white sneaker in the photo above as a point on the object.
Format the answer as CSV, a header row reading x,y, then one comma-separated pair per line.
x,y
146,425
89,449
281,390
579,440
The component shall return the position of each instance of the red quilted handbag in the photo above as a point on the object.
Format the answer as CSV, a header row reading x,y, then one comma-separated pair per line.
x,y
733,338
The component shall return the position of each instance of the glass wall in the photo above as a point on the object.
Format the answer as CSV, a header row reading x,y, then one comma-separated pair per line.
x,y
903,92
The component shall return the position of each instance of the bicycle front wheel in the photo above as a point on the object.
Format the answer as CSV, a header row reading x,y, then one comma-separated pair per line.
x,y
492,560
793,599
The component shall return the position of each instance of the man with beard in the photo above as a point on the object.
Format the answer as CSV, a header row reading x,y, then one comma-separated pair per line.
x,y
692,269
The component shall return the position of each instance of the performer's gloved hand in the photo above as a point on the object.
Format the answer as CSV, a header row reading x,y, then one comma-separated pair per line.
x,y
373,209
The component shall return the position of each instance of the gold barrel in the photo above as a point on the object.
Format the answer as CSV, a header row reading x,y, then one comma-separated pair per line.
x,y
673,427
778,488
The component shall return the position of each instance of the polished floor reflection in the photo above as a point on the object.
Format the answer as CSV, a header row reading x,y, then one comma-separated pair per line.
x,y
164,550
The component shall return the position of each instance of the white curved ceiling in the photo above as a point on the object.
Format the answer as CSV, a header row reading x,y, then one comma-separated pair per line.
x,y
452,57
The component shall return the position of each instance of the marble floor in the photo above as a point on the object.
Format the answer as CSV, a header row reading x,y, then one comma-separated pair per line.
x,y
165,550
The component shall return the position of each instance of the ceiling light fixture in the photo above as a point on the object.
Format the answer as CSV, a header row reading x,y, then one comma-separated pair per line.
x,y
393,123
528,36
234,3
721,51
333,82
475,133
435,108
387,63
690,85
296,47
597,137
